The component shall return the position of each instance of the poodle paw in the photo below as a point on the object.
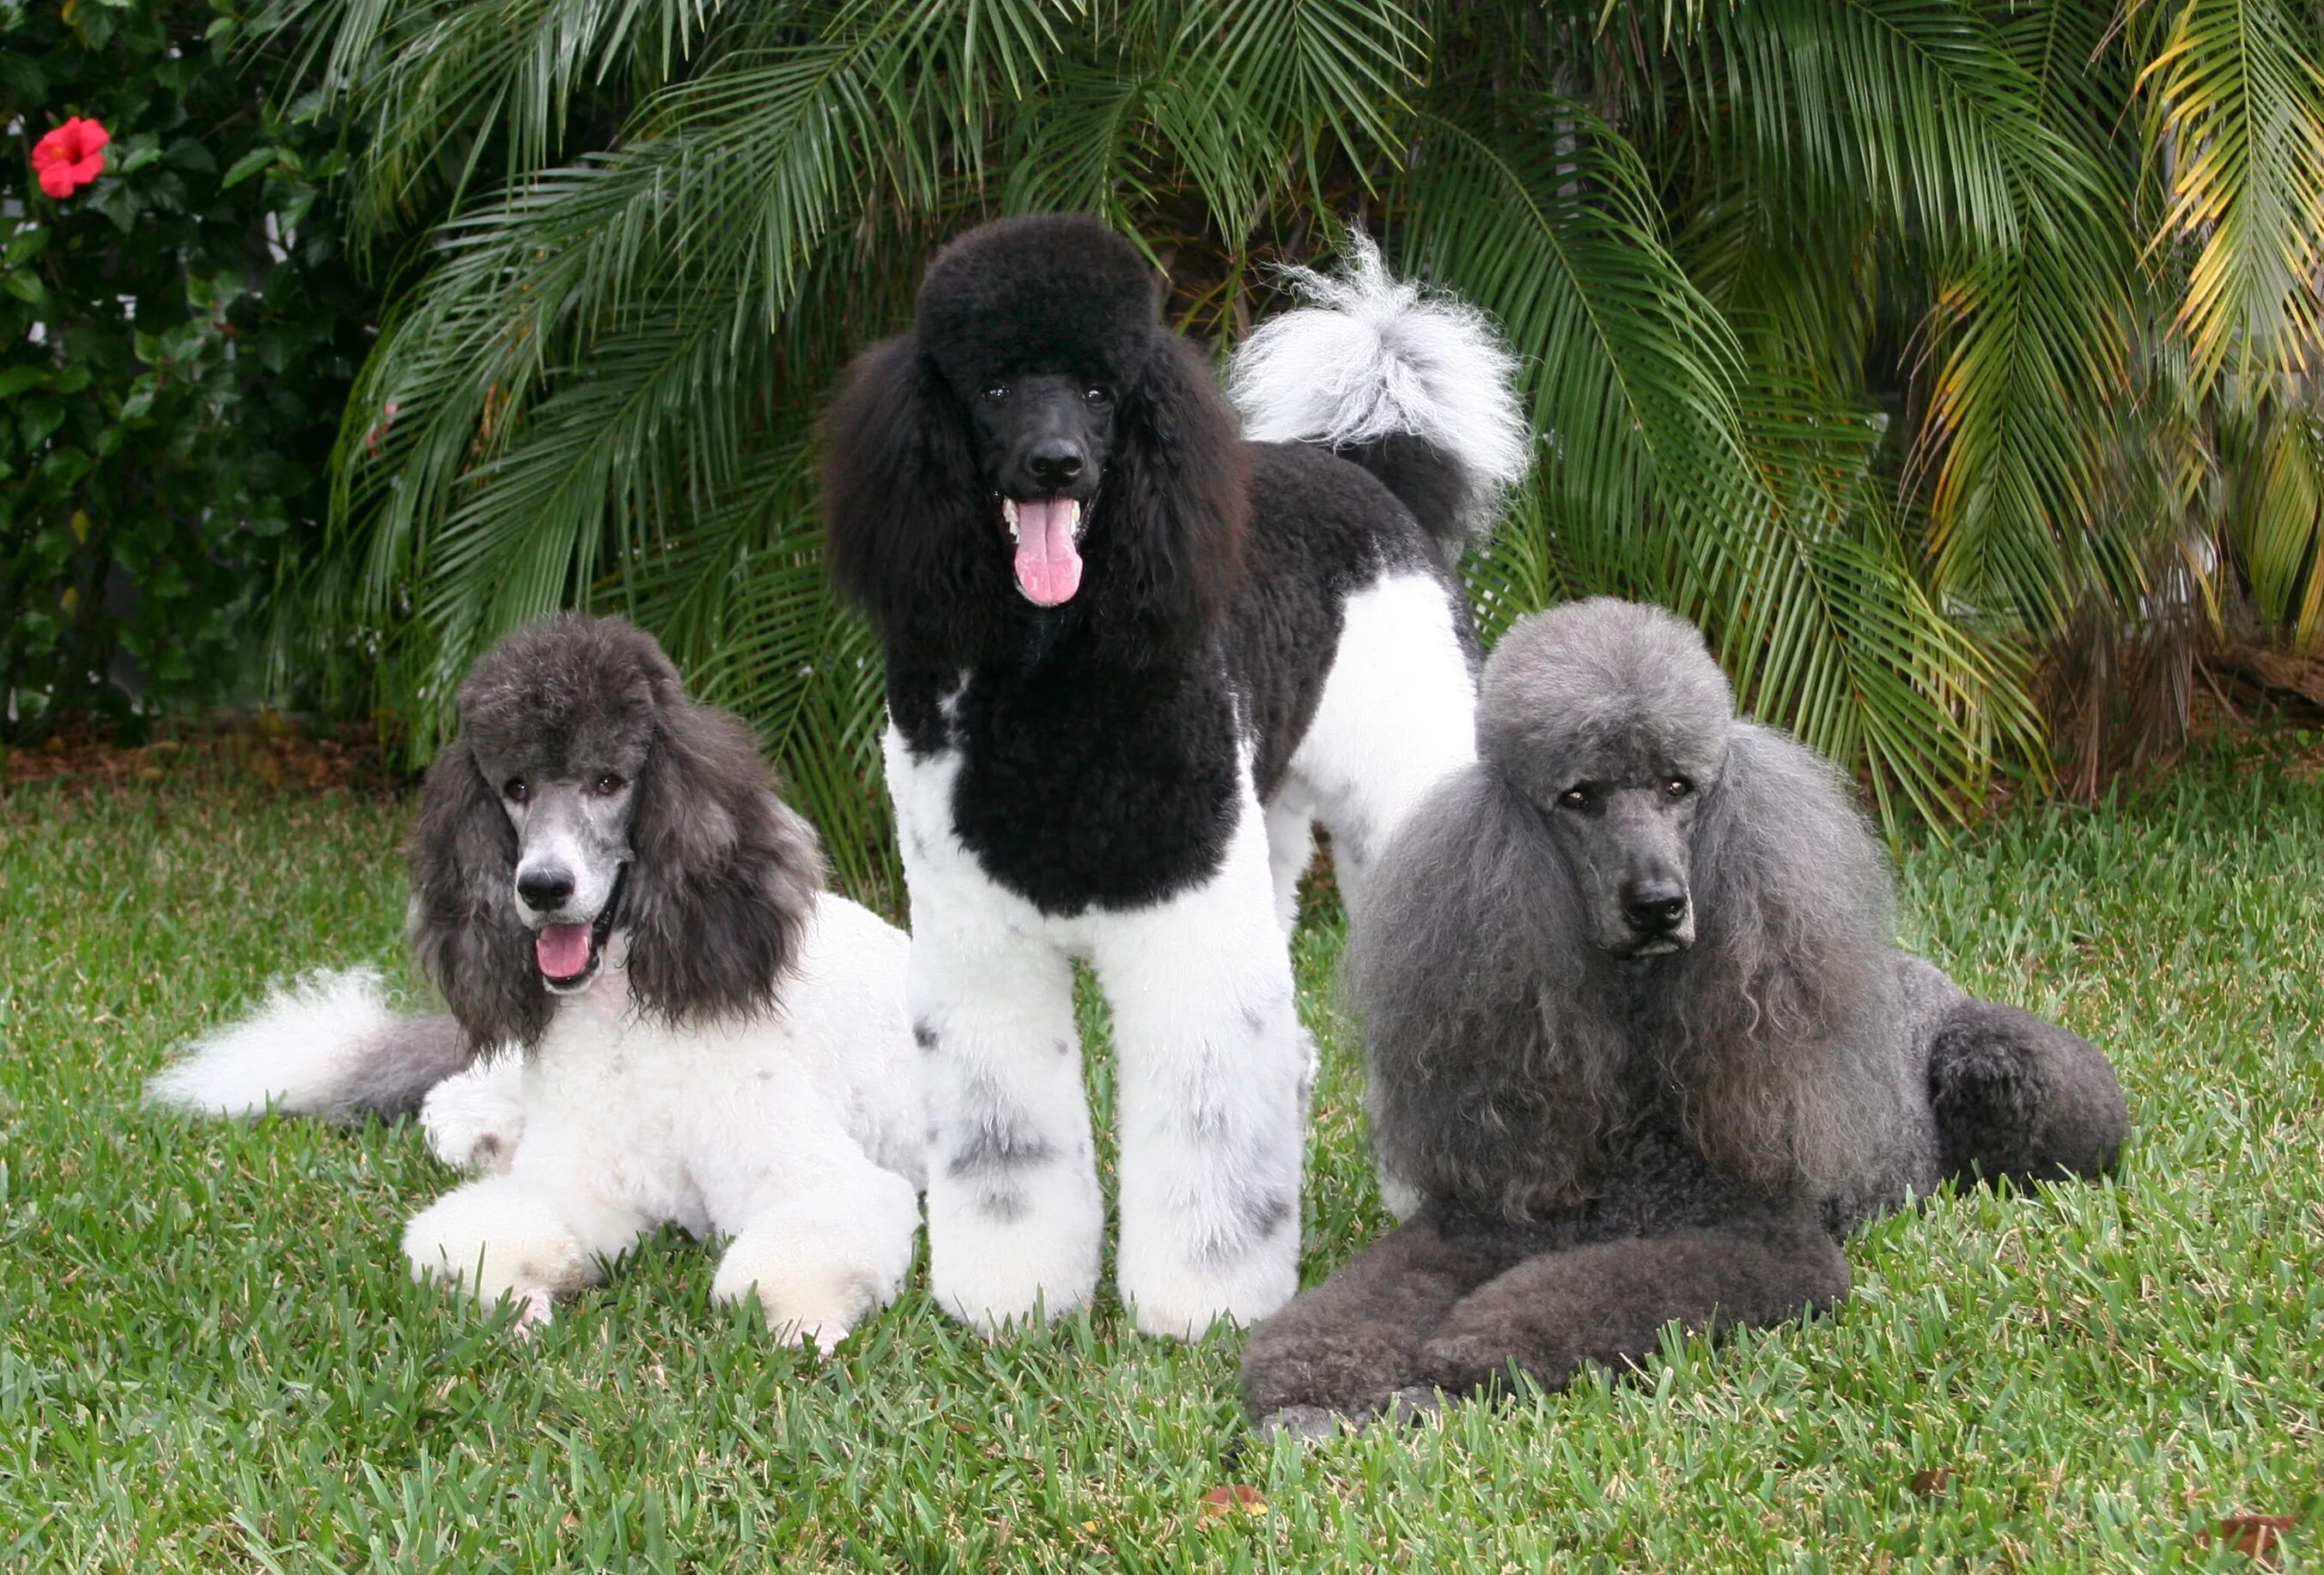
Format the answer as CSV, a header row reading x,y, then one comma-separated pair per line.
x,y
535,1309
1306,1424
475,1120
1413,1404
822,1335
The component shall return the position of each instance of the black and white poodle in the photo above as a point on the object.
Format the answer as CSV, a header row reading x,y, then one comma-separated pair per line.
x,y
603,875
1640,1041
1132,655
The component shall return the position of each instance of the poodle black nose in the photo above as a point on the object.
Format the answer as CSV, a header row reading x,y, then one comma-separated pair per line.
x,y
543,889
1654,908
1055,464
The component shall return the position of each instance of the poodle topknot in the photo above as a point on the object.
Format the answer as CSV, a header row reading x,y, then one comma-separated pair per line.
x,y
1044,292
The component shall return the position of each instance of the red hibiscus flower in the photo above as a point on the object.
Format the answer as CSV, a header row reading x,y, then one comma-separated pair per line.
x,y
71,156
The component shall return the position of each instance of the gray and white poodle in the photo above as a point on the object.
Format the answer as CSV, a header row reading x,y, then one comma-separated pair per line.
x,y
603,875
1641,1049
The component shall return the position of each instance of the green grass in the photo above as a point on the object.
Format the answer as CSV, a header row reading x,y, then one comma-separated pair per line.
x,y
211,1358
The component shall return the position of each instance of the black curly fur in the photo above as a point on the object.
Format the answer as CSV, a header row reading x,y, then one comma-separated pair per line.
x,y
1604,1144
723,876
1100,737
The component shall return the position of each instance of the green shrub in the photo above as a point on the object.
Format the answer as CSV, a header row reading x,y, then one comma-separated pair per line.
x,y
175,344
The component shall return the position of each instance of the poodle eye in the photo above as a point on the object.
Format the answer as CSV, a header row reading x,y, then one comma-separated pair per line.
x,y
997,393
1678,786
610,784
1578,797
1096,395
516,790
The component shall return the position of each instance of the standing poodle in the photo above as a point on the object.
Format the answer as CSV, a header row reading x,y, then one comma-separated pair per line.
x,y
1130,657
603,875
1641,1044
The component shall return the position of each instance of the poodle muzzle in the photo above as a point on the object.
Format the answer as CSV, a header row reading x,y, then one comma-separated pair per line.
x,y
568,955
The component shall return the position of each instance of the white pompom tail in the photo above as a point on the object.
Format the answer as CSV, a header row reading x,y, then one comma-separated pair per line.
x,y
327,1046
1375,358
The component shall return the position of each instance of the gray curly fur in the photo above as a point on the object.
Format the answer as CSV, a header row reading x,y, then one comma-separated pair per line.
x,y
1603,1144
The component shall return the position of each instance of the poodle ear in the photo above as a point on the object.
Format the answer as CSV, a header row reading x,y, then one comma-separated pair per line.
x,y
723,875
463,923
1176,490
1464,967
906,506
1779,1029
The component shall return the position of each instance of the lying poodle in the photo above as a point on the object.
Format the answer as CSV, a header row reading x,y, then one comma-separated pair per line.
x,y
1130,657
603,875
1640,1042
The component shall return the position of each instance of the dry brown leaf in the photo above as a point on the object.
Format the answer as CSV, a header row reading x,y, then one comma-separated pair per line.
x,y
1933,1483
2257,1536
1219,1503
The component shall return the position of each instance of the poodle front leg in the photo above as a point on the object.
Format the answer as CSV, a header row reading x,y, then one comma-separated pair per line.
x,y
1343,1349
1213,1072
1609,1301
499,1238
821,1264
1014,1213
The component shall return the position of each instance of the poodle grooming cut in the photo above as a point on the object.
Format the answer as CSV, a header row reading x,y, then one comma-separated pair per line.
x,y
1641,1044
1131,658
604,880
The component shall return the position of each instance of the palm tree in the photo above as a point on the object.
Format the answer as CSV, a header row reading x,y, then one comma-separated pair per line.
x,y
1911,346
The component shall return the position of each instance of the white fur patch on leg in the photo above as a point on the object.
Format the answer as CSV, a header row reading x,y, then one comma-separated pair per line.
x,y
495,1238
475,1120
1213,1068
295,1052
1015,1218
821,1265
1290,848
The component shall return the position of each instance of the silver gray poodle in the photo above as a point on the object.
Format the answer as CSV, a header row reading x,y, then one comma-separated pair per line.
x,y
1641,1049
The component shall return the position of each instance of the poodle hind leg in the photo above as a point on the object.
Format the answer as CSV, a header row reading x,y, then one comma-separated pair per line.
x,y
1396,713
2019,1097
474,1119
1607,1301
1344,1348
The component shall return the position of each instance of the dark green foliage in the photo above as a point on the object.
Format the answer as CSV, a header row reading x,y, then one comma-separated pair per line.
x,y
175,344
1896,341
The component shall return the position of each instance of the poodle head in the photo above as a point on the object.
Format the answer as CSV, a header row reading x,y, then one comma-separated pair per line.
x,y
590,811
1039,438
1611,720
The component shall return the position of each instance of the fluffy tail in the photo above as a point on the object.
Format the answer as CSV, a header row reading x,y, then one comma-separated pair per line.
x,y
327,1047
1417,389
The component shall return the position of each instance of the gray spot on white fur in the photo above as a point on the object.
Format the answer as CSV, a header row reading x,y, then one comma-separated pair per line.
x,y
1258,1212
999,1145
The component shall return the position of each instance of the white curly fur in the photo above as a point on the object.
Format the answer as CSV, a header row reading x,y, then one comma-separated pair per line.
x,y
1375,357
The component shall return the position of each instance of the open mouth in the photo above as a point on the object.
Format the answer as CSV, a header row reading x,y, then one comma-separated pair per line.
x,y
1047,533
1660,946
568,954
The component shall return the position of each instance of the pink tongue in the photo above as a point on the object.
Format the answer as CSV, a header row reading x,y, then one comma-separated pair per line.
x,y
563,950
1048,564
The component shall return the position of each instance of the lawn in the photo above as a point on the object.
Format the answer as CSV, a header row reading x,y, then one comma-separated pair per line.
x,y
212,1360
